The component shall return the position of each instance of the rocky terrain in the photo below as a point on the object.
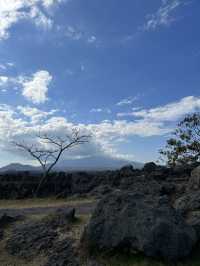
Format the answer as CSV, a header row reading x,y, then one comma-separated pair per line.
x,y
153,212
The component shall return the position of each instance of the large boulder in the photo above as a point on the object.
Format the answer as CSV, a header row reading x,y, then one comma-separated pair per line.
x,y
194,182
135,222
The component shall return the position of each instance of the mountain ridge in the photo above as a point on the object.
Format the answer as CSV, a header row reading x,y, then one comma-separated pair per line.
x,y
85,164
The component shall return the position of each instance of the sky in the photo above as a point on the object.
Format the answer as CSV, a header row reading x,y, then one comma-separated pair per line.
x,y
125,71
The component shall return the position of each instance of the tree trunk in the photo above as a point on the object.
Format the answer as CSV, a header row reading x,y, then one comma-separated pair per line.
x,y
42,180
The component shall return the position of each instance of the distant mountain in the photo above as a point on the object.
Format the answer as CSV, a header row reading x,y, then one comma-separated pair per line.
x,y
83,164
94,163
17,167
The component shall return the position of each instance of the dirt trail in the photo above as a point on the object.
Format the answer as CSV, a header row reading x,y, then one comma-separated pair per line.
x,y
81,209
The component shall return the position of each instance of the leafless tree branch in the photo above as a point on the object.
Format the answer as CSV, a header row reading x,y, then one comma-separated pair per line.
x,y
49,156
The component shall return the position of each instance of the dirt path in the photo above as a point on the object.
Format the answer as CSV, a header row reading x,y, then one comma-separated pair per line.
x,y
84,208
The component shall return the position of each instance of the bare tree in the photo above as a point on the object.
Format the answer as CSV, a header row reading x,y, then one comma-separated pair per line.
x,y
50,152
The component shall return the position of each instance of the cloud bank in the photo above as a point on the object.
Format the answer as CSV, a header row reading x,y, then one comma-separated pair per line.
x,y
23,123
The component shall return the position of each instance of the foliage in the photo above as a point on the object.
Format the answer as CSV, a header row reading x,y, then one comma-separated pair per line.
x,y
184,146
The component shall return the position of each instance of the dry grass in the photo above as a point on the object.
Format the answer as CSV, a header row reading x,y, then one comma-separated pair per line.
x,y
42,202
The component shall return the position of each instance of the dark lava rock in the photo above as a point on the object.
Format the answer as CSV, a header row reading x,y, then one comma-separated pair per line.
x,y
94,263
133,221
1,234
167,188
63,254
126,170
150,167
100,191
194,182
142,184
188,202
31,238
6,219
194,221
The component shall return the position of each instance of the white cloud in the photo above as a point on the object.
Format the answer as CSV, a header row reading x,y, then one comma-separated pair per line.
x,y
6,65
3,83
36,115
163,16
96,110
12,11
92,39
3,67
127,101
172,111
3,80
40,18
73,33
36,88
82,67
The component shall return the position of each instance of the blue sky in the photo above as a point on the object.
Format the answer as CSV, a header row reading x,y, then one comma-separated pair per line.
x,y
127,71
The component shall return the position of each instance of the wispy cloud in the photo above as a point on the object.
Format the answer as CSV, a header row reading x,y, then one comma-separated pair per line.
x,y
164,16
100,110
74,33
5,66
92,39
127,101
